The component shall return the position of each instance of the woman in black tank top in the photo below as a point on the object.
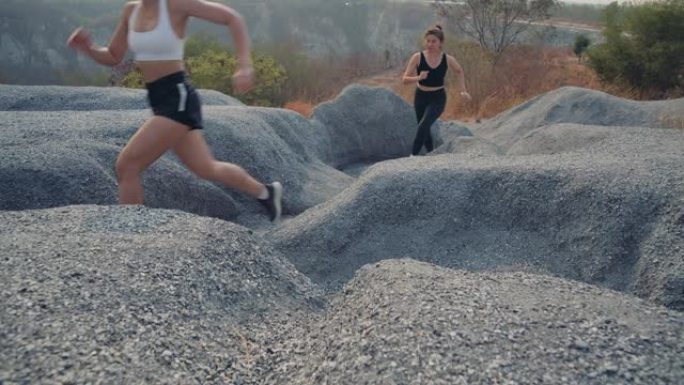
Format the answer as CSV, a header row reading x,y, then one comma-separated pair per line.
x,y
428,70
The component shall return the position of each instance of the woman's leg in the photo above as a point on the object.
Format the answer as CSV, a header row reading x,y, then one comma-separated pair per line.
x,y
433,109
432,113
195,154
151,141
193,151
419,105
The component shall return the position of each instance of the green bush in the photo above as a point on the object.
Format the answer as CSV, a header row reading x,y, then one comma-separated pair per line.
x,y
644,47
214,70
199,43
211,66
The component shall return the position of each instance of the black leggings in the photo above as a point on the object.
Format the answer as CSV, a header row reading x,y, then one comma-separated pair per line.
x,y
429,105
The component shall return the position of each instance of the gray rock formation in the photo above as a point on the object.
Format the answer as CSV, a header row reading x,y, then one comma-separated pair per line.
x,y
591,203
130,294
579,217
403,322
575,105
571,186
60,144
60,98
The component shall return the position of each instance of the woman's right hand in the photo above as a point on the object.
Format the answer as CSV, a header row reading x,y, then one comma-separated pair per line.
x,y
80,40
423,75
243,80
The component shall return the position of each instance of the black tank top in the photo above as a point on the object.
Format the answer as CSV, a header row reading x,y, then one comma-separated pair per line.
x,y
435,76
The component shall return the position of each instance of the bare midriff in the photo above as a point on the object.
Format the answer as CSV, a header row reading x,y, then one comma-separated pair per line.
x,y
153,70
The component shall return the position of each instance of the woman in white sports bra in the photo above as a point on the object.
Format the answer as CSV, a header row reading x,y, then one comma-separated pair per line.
x,y
154,30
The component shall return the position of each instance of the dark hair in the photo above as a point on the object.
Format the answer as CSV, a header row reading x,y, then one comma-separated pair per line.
x,y
436,31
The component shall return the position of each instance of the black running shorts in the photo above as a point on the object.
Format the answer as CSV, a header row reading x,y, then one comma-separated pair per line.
x,y
173,97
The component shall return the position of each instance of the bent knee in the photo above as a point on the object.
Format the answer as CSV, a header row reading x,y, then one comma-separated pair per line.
x,y
125,168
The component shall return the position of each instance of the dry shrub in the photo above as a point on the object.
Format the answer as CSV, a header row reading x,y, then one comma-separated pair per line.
x,y
317,79
300,106
521,73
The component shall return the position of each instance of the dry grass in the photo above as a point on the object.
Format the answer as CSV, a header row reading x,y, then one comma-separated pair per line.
x,y
313,80
300,106
522,73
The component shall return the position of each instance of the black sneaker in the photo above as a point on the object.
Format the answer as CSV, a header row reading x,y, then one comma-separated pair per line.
x,y
274,201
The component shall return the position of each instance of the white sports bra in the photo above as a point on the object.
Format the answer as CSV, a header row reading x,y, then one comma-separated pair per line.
x,y
161,43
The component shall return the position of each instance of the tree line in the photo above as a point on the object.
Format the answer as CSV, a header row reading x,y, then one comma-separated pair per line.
x,y
643,47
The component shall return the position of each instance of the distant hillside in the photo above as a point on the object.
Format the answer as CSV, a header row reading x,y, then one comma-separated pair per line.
x,y
32,34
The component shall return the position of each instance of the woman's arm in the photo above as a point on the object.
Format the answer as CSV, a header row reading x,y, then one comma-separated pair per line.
x,y
114,53
460,77
222,14
411,68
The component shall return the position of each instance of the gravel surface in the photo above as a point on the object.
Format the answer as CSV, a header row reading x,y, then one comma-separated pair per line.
x,y
127,294
59,144
580,106
536,248
405,322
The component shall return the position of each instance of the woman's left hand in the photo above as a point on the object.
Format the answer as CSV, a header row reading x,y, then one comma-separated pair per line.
x,y
243,80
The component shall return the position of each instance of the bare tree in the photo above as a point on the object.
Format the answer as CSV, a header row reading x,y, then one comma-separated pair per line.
x,y
495,24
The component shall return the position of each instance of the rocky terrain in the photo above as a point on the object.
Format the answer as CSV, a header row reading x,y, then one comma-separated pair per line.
x,y
545,245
